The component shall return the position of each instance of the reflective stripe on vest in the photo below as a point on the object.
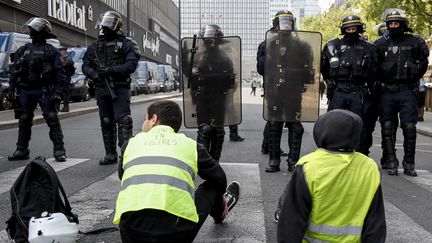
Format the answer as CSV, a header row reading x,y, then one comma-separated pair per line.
x,y
342,187
159,171
158,179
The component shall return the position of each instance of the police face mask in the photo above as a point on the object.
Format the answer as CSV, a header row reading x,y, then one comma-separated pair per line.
x,y
352,37
396,32
37,36
108,33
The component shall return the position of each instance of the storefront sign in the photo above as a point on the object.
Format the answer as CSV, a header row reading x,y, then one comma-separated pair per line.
x,y
69,13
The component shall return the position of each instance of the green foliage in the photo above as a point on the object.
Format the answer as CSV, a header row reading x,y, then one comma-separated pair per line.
x,y
419,13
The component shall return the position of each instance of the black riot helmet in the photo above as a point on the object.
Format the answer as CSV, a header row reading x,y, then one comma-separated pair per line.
x,y
381,29
111,20
395,14
38,26
284,20
211,30
350,21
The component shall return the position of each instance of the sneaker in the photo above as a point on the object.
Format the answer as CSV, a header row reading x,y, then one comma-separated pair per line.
x,y
232,194
231,197
276,215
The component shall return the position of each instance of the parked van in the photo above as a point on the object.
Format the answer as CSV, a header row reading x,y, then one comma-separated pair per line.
x,y
9,43
166,78
146,77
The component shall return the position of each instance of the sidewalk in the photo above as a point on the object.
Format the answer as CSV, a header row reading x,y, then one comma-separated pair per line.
x,y
7,120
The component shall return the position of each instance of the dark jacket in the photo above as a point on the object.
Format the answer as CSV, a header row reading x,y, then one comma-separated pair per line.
x,y
120,55
69,68
51,58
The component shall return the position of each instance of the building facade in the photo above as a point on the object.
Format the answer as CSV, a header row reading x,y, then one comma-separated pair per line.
x,y
304,8
154,24
244,18
275,6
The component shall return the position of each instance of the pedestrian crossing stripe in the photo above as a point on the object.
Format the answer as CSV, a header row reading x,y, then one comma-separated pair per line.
x,y
7,178
401,228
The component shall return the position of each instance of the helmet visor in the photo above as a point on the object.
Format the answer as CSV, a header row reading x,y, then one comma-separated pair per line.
x,y
286,23
210,32
35,23
109,21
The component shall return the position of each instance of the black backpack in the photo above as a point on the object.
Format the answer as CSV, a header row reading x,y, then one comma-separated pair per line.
x,y
36,190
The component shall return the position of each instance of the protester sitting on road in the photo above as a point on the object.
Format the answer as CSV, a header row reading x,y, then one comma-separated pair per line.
x,y
158,201
334,194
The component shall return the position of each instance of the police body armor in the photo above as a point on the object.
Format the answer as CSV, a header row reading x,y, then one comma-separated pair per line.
x,y
110,53
401,65
33,67
348,63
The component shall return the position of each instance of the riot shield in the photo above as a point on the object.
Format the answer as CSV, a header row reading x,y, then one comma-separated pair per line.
x,y
211,77
291,76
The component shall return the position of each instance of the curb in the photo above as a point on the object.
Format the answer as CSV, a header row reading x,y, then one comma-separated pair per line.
x,y
78,112
424,131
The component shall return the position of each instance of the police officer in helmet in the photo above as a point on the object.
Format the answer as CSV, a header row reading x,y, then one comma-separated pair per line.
x,y
39,76
109,61
213,64
284,20
403,60
347,66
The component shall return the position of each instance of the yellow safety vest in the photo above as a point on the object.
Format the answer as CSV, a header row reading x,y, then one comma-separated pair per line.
x,y
159,171
342,186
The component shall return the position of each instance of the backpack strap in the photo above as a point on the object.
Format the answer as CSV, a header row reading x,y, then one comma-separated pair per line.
x,y
55,180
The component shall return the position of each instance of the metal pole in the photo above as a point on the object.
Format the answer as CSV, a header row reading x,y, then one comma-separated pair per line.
x,y
128,19
199,27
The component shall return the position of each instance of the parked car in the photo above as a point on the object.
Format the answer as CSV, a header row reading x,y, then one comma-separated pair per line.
x,y
134,87
76,53
79,85
146,77
166,78
9,43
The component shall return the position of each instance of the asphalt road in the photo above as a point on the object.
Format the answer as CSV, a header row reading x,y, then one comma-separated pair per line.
x,y
92,189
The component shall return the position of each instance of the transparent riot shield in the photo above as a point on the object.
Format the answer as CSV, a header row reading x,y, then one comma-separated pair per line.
x,y
211,80
291,76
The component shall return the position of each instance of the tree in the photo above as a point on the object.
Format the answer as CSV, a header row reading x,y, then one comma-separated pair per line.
x,y
419,13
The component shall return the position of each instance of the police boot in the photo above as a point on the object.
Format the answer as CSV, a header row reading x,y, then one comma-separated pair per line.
x,y
275,133
125,128
217,143
56,136
205,133
24,134
109,138
295,136
410,136
391,162
234,136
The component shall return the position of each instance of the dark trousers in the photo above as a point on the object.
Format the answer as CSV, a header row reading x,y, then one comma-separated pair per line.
x,y
253,91
66,98
151,225
114,109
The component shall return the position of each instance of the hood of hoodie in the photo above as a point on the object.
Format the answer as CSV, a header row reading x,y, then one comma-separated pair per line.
x,y
338,130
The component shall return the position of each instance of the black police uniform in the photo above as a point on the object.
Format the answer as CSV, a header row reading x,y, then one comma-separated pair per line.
x,y
273,131
402,62
216,72
116,58
346,67
70,71
41,76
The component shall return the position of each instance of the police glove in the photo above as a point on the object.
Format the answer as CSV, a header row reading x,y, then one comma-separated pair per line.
x,y
94,76
56,100
105,72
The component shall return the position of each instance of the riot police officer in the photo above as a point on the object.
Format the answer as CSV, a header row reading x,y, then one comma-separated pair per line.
x,y
217,72
370,112
109,62
39,77
402,62
347,66
283,20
